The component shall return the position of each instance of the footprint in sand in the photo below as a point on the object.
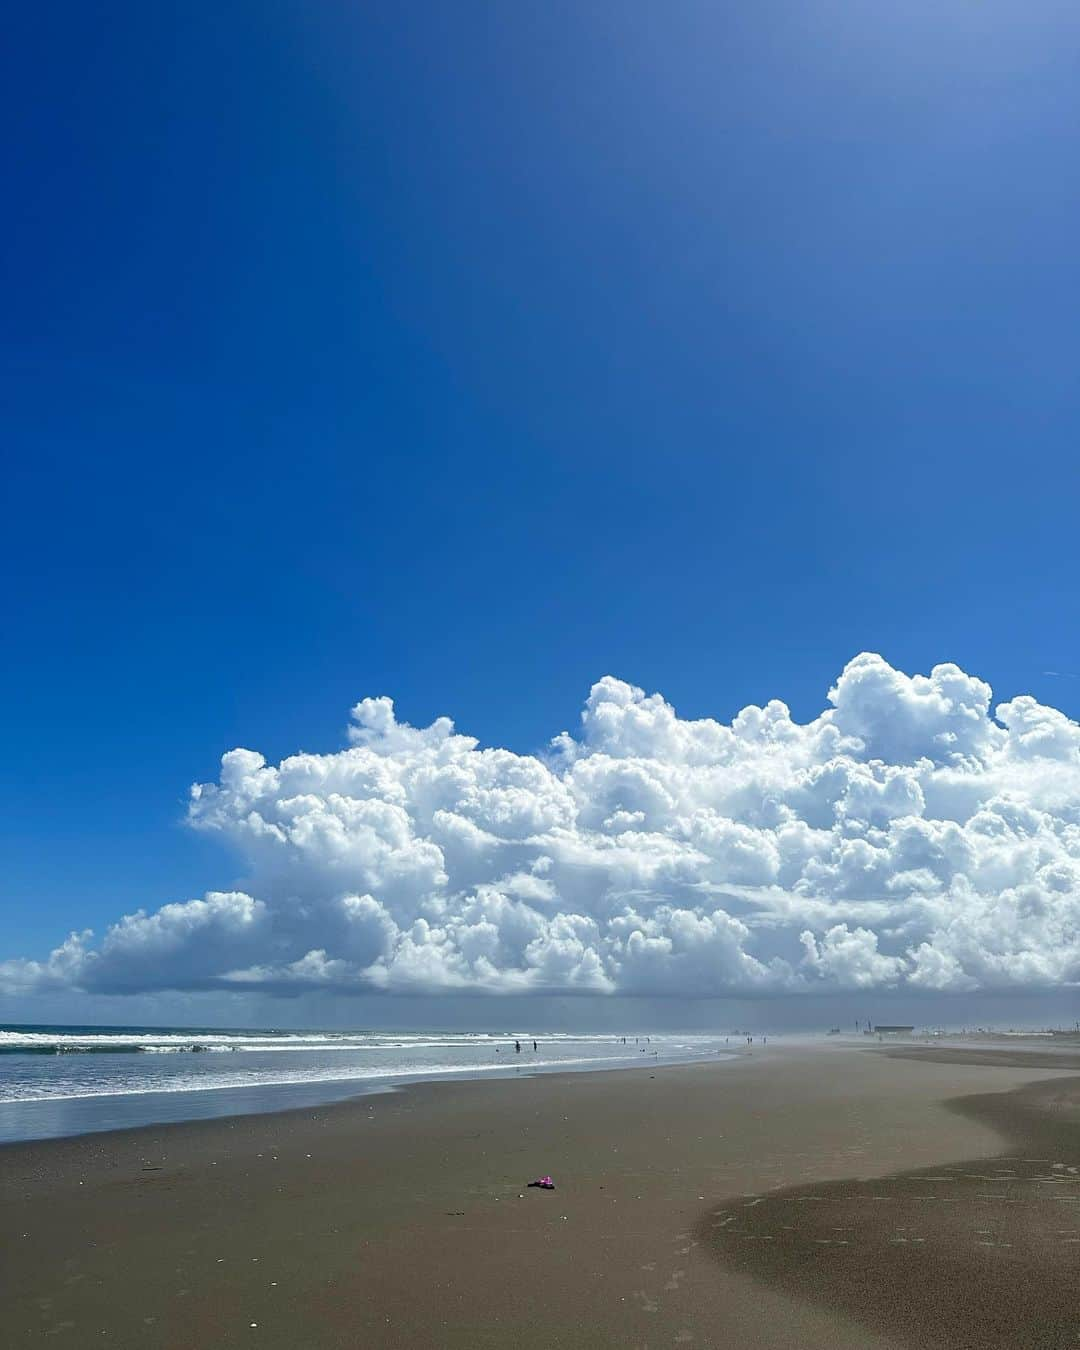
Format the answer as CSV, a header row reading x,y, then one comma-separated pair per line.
x,y
683,1337
648,1304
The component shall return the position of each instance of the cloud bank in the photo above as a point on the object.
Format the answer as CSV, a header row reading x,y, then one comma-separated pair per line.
x,y
905,838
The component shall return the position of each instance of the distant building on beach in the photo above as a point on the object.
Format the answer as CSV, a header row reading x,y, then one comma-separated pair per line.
x,y
882,1030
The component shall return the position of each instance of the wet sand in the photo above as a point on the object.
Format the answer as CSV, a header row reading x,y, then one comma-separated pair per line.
x,y
404,1220
981,1253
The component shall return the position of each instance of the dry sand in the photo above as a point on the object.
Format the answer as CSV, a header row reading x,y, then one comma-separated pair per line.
x,y
705,1206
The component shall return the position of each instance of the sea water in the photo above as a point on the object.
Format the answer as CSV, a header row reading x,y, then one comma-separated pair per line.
x,y
65,1080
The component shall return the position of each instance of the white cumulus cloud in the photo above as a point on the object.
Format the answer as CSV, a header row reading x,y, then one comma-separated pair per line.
x,y
911,835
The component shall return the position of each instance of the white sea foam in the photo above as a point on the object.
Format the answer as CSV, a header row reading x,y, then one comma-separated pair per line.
x,y
151,1041
63,1064
149,1084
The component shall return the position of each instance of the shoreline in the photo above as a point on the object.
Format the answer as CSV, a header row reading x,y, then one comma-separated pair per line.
x,y
354,1092
192,1105
62,1082
404,1219
85,1113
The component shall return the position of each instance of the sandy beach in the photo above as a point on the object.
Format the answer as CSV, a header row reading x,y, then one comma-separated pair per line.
x,y
834,1196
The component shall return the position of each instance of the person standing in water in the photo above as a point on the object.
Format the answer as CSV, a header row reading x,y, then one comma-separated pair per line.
x,y
535,1046
517,1046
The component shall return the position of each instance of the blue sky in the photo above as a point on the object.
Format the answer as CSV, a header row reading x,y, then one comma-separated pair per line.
x,y
466,353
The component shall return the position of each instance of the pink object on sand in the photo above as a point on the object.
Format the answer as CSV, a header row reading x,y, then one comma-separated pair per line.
x,y
545,1183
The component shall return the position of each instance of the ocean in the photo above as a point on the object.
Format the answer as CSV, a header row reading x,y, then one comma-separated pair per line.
x,y
66,1080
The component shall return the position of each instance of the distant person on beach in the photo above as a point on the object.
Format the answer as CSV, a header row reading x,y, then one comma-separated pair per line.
x,y
535,1046
517,1046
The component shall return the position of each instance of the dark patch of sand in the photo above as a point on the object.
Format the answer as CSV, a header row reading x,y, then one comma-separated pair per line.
x,y
982,1254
